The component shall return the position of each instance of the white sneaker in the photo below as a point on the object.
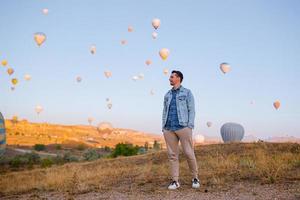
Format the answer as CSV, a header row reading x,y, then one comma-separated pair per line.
x,y
174,185
195,183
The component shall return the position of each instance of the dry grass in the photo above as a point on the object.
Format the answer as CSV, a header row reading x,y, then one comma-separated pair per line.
x,y
219,165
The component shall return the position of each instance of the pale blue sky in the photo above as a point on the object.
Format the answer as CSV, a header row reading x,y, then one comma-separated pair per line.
x,y
259,38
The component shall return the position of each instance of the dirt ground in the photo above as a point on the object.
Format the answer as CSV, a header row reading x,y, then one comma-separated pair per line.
x,y
241,190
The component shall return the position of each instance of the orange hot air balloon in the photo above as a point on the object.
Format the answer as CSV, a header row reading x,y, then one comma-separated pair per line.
x,y
276,104
14,81
156,23
4,62
164,53
107,74
225,67
39,38
10,71
148,62
130,29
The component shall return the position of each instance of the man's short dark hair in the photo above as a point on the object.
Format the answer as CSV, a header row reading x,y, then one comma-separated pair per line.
x,y
179,74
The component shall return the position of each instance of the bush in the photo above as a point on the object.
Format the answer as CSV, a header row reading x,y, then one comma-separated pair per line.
x,y
125,150
81,147
18,161
47,162
58,147
39,147
69,158
91,154
33,158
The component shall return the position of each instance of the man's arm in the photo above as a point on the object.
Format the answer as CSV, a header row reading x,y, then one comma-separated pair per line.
x,y
191,110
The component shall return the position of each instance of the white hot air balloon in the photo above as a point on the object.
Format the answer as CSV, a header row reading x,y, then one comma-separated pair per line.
x,y
225,67
45,11
156,23
109,105
135,78
27,77
209,124
38,109
141,76
166,71
90,120
152,92
154,35
93,49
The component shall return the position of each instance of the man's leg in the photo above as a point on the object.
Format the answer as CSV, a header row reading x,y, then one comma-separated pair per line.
x,y
186,139
173,152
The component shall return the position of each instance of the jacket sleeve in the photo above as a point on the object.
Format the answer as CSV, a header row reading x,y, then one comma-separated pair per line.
x,y
191,110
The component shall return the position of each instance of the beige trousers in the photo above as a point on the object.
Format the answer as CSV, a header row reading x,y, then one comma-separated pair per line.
x,y
185,136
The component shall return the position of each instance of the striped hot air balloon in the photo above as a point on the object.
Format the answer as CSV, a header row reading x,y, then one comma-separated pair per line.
x,y
232,132
2,135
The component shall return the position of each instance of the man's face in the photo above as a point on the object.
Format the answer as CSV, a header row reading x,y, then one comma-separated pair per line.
x,y
174,79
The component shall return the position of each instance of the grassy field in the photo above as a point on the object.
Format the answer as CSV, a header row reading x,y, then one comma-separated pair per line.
x,y
219,166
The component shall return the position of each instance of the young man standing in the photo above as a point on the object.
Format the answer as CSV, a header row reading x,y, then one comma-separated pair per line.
x,y
177,124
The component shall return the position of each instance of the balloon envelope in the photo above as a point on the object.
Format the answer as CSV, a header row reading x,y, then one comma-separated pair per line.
x,y
14,81
209,124
164,53
39,38
154,35
93,49
232,132
10,71
225,67
276,104
156,23
38,109
107,74
130,29
27,77
166,71
4,62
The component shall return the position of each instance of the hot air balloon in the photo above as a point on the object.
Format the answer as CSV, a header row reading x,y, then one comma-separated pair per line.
x,y
14,81
141,76
148,62
123,42
4,62
164,53
166,71
39,38
135,78
225,67
10,71
276,104
199,138
209,124
130,29
45,11
154,35
156,23
93,49
108,74
109,105
232,132
12,88
38,109
27,77
152,92
2,135
90,120
78,79
107,99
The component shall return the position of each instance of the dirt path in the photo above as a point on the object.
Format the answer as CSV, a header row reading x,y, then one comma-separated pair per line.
x,y
244,191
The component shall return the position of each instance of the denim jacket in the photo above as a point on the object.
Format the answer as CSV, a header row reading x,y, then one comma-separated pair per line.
x,y
185,107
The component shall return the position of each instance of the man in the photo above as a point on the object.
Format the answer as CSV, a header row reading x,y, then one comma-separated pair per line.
x,y
177,124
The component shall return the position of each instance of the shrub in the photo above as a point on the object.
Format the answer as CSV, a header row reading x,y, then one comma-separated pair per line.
x,y
58,147
69,158
81,147
91,154
125,150
47,162
39,147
